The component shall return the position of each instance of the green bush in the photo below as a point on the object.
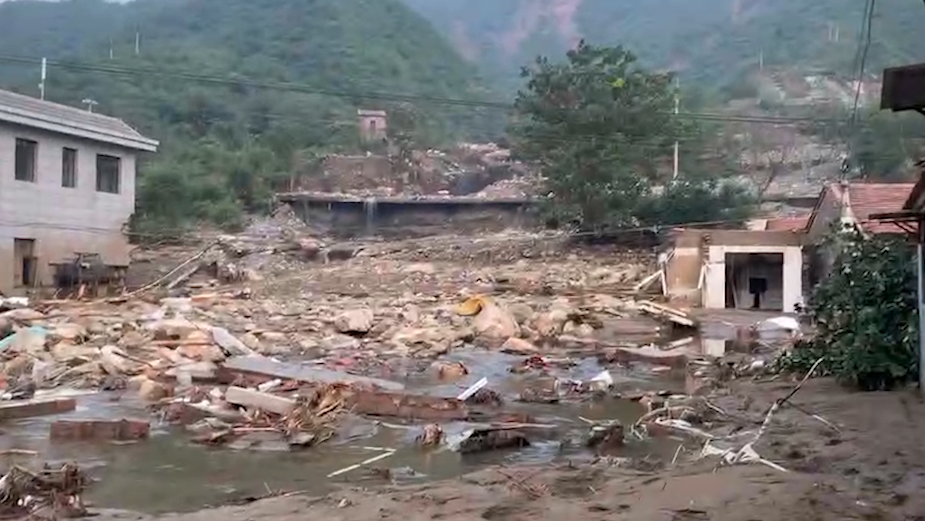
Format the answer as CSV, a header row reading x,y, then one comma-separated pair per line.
x,y
865,314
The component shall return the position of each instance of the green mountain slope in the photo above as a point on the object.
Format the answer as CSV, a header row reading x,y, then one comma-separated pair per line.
x,y
710,41
195,84
361,46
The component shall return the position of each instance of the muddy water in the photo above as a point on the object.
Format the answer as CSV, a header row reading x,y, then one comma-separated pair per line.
x,y
168,473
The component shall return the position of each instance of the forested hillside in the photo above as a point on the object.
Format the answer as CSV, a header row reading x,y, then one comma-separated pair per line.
x,y
712,42
192,84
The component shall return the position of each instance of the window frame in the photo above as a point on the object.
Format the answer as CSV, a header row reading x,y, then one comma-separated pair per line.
x,y
29,177
69,181
103,187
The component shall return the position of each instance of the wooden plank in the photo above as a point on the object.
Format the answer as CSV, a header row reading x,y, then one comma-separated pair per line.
x,y
256,364
17,409
667,313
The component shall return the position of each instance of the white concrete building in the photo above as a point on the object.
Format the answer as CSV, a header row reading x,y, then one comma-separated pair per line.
x,y
739,269
67,185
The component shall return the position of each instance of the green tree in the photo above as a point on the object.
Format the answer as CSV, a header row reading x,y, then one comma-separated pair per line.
x,y
601,128
865,314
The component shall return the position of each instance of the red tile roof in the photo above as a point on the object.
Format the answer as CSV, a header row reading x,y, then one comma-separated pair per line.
x,y
791,224
872,198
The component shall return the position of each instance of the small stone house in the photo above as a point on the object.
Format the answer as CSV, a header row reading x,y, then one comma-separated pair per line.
x,y
373,124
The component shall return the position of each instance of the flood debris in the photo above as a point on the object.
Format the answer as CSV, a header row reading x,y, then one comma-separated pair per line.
x,y
386,454
667,313
483,439
99,430
431,436
45,493
260,365
605,436
300,422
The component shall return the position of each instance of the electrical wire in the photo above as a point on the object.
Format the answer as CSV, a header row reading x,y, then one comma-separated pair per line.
x,y
864,43
865,49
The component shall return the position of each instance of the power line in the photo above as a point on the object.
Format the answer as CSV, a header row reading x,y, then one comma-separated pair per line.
x,y
369,95
864,50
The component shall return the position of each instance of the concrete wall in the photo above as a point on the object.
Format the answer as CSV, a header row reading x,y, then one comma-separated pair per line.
x,y
413,219
61,220
827,212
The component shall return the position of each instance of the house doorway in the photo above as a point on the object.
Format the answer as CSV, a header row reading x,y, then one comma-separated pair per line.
x,y
755,281
25,264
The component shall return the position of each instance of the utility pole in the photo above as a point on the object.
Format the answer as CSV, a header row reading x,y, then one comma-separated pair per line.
x,y
44,76
677,110
111,53
90,104
137,42
761,60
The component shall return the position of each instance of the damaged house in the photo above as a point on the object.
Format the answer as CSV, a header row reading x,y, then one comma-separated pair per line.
x,y
773,264
67,186
851,204
743,269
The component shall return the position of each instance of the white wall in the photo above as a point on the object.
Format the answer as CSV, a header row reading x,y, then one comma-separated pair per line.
x,y
714,295
61,220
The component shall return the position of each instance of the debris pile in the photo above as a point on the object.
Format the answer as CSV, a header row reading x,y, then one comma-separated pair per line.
x,y
43,494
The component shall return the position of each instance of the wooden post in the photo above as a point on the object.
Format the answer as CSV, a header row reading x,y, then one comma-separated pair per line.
x,y
920,268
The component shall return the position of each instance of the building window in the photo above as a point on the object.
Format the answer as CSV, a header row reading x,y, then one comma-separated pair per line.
x,y
68,168
108,172
25,159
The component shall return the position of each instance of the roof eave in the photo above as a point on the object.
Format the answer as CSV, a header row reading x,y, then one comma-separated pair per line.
x,y
138,142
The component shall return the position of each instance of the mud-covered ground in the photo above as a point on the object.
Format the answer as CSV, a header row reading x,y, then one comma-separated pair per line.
x,y
871,468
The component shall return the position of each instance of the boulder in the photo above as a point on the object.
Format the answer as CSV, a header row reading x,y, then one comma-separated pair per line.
x,y
171,328
152,391
354,321
202,352
68,331
518,346
523,313
495,322
449,370
551,323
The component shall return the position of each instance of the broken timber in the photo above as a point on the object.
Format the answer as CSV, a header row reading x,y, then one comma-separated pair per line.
x,y
666,313
372,403
17,409
256,364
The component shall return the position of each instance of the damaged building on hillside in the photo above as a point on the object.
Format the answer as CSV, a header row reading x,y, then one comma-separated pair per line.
x,y
774,263
67,186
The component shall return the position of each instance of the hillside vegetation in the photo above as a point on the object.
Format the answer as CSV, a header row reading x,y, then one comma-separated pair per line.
x,y
225,140
712,42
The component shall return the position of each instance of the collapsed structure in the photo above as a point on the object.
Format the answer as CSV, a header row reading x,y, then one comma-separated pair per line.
x,y
772,265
